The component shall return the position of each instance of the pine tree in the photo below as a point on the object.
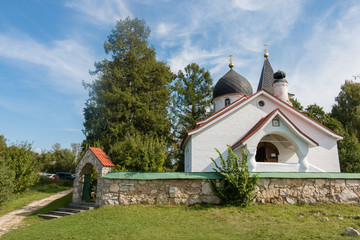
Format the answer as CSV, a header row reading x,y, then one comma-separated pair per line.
x,y
192,94
131,96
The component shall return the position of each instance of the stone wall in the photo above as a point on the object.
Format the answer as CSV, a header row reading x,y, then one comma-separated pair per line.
x,y
276,190
164,191
191,191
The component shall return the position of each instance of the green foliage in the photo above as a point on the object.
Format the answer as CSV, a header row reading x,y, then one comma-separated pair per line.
x,y
22,161
130,96
192,95
344,113
58,159
237,187
347,107
6,182
296,104
349,153
140,153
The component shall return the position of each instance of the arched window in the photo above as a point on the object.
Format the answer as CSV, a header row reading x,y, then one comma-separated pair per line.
x,y
227,102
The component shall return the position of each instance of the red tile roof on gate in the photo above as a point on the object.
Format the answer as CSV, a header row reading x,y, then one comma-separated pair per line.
x,y
103,158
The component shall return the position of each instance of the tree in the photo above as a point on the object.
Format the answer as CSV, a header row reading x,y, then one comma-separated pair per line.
x,y
349,147
58,159
237,187
22,162
6,175
347,107
349,153
130,98
296,104
192,95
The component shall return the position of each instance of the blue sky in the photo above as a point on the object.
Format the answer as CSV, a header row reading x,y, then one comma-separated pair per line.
x,y
48,47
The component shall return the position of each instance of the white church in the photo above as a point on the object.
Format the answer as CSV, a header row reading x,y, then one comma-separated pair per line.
x,y
276,136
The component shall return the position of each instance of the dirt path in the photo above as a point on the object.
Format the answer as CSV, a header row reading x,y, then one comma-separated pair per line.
x,y
12,219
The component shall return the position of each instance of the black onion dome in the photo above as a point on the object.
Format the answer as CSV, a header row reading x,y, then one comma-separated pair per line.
x,y
232,82
279,76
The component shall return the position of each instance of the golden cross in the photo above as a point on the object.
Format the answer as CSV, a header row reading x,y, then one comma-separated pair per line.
x,y
231,65
266,54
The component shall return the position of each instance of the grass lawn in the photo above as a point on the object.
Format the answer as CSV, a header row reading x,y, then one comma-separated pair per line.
x,y
36,193
183,222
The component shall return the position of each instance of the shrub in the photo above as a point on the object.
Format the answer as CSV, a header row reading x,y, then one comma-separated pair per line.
x,y
237,187
22,161
140,153
6,180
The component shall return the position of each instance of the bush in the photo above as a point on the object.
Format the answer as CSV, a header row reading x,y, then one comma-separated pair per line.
x,y
22,161
237,187
6,180
140,153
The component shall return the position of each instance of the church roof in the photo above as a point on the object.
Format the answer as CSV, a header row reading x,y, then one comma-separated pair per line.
x,y
103,158
266,77
264,121
232,82
200,125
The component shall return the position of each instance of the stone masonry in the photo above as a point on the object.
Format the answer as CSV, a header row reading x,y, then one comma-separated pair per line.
x,y
191,191
164,191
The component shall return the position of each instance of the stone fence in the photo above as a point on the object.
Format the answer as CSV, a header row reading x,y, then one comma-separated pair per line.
x,y
192,188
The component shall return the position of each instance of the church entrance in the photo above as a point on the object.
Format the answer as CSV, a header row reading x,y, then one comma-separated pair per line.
x,y
266,152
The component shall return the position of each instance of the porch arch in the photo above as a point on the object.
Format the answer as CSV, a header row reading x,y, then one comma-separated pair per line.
x,y
93,157
297,144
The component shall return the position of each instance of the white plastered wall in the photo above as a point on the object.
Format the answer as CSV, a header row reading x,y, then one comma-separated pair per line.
x,y
219,102
234,126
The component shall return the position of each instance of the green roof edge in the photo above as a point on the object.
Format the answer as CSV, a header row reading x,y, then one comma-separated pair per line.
x,y
213,175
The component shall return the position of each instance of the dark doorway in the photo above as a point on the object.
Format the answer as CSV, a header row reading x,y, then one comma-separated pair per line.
x,y
266,152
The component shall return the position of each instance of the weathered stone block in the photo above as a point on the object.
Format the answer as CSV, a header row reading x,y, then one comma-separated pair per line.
x,y
206,189
114,188
291,200
124,188
193,199
353,182
174,192
348,196
162,198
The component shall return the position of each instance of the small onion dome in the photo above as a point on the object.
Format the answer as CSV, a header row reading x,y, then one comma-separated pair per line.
x,y
232,82
279,76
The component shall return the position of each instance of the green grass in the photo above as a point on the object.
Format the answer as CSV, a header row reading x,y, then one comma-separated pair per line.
x,y
36,193
182,222
58,203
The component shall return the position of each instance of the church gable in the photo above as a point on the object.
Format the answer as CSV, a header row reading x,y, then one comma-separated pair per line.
x,y
242,102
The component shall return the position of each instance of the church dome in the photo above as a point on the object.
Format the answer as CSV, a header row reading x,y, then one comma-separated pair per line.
x,y
232,82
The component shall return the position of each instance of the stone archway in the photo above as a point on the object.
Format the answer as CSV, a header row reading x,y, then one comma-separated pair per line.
x,y
93,157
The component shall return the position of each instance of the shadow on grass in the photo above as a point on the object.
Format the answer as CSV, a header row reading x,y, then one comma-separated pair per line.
x,y
59,203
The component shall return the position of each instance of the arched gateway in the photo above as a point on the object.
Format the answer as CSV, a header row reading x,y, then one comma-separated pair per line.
x,y
94,157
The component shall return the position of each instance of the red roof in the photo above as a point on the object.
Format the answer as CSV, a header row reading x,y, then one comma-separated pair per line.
x,y
103,158
261,123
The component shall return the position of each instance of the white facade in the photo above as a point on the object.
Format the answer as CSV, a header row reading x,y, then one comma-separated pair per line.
x,y
301,143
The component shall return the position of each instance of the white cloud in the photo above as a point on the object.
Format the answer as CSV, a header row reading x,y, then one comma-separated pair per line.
x,y
101,11
66,61
330,55
216,29
164,29
249,5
